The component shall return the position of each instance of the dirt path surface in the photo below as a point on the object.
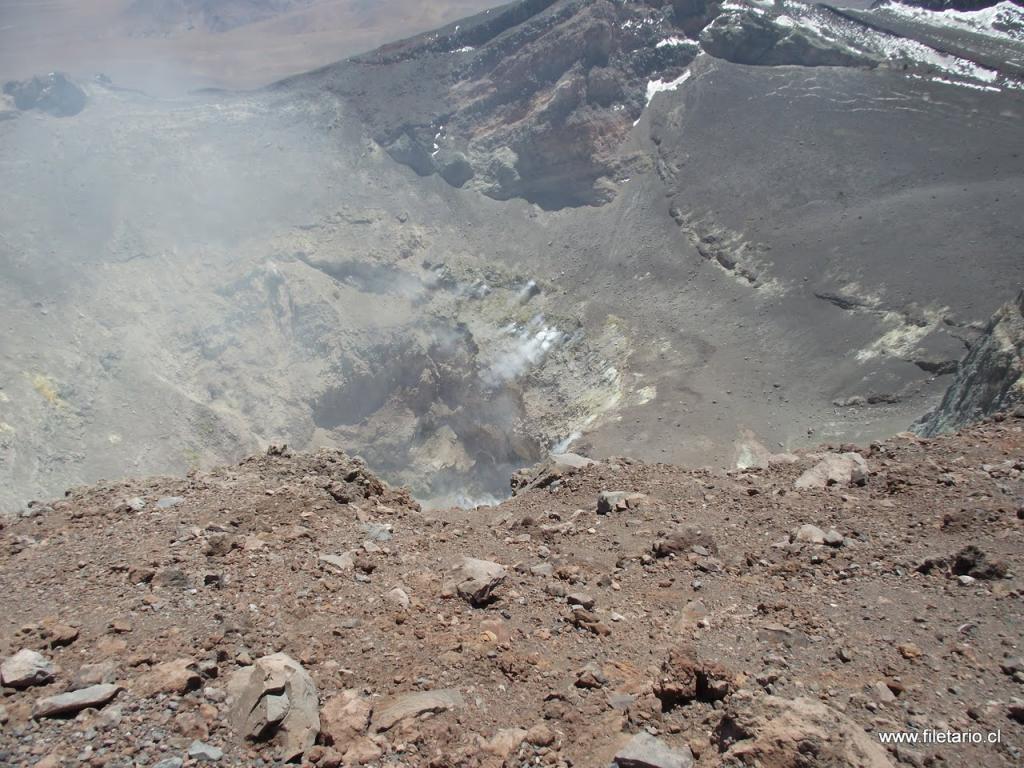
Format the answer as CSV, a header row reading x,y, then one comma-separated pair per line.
x,y
641,611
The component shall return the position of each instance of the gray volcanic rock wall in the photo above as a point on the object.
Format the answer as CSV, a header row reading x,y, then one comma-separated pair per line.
x,y
990,378
537,99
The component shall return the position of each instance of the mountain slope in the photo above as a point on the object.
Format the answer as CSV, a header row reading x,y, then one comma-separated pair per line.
x,y
690,259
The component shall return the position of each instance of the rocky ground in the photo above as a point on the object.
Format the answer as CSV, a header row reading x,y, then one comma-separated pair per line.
x,y
295,607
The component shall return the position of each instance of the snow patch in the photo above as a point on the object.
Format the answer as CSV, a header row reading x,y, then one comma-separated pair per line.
x,y
675,42
654,87
1004,20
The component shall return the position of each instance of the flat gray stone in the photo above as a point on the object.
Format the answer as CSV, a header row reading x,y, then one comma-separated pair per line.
x,y
378,531
167,502
645,751
202,752
94,696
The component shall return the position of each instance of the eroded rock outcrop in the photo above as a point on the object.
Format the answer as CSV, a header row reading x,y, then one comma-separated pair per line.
x,y
53,93
748,37
768,730
989,379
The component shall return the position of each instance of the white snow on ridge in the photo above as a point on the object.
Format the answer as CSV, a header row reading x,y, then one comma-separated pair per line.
x,y
892,47
1004,20
676,41
655,87
962,84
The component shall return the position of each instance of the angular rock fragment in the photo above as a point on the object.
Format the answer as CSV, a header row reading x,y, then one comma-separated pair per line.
x,y
178,676
646,751
971,561
549,472
684,678
809,534
342,563
841,469
758,729
344,719
68,703
683,541
202,752
398,598
276,700
26,668
476,580
617,501
93,674
505,742
414,705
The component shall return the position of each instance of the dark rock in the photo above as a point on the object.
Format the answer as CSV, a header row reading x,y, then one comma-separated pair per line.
x,y
54,94
989,379
684,540
971,561
746,37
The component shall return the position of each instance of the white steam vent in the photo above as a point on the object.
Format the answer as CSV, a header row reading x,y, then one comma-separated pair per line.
x,y
526,349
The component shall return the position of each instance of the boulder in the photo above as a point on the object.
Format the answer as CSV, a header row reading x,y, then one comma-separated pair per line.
x,y
455,167
646,751
413,705
809,534
202,752
398,598
971,561
758,729
56,633
344,719
505,742
178,676
476,580
94,674
553,469
617,501
94,696
684,678
276,700
840,469
684,540
342,563
26,668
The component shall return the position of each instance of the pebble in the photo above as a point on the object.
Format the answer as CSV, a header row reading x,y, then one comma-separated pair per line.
x,y
203,752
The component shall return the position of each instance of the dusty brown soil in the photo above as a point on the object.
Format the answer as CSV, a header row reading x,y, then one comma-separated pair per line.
x,y
880,627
